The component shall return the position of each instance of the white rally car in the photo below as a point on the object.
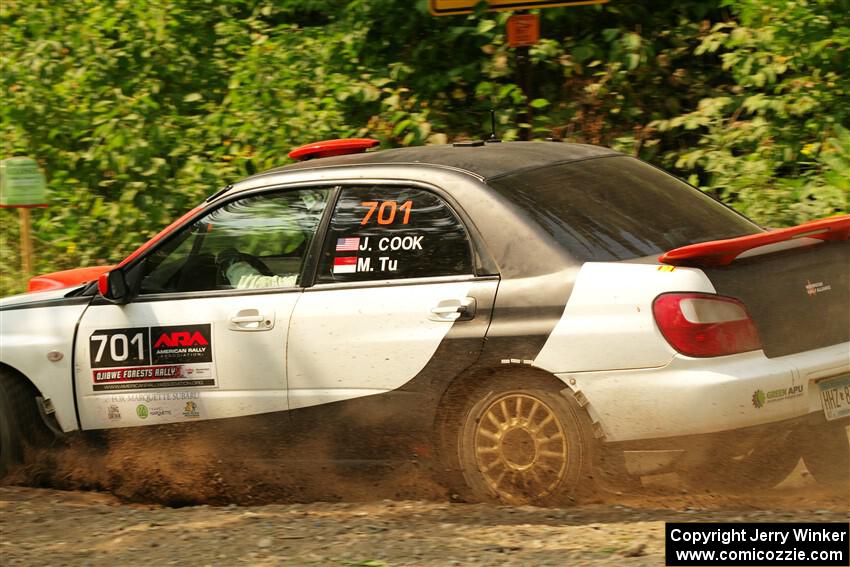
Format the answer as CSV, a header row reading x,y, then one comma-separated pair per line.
x,y
533,315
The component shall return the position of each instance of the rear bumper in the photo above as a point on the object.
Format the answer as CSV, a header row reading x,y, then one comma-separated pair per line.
x,y
693,396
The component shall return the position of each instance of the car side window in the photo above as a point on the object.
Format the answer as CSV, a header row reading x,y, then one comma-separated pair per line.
x,y
255,242
390,232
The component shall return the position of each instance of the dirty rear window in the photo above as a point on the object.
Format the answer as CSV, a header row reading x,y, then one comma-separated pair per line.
x,y
619,208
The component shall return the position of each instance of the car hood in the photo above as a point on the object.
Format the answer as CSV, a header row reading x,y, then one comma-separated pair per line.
x,y
33,297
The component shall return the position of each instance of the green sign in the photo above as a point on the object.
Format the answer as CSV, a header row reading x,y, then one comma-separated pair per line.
x,y
22,183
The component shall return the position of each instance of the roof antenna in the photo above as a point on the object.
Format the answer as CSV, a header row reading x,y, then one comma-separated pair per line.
x,y
493,139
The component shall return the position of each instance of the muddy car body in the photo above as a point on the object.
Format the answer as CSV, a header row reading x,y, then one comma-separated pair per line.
x,y
498,309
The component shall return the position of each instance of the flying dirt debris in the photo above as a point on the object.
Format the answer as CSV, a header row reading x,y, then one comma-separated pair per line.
x,y
219,464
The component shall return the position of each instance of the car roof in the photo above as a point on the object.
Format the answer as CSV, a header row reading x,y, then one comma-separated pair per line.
x,y
487,160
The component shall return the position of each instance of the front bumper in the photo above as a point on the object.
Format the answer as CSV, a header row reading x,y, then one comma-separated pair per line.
x,y
692,396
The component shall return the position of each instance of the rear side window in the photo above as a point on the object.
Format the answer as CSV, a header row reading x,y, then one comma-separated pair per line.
x,y
619,208
387,233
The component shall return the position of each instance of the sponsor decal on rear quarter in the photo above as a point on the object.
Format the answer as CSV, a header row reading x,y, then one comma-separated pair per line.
x,y
817,287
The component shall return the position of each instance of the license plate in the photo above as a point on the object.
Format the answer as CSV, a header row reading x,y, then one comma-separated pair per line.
x,y
835,395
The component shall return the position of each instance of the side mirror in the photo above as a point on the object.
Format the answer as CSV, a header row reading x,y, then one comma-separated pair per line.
x,y
113,287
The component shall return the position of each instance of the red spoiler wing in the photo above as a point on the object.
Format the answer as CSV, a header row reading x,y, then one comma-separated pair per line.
x,y
723,252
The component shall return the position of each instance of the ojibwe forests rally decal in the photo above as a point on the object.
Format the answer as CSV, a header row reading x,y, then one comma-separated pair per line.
x,y
141,358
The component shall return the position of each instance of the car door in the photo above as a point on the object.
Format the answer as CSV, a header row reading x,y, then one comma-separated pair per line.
x,y
396,308
205,337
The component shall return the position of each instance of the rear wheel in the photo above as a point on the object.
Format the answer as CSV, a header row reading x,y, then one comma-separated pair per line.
x,y
524,445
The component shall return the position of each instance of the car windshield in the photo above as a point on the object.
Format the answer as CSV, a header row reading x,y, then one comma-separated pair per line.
x,y
619,208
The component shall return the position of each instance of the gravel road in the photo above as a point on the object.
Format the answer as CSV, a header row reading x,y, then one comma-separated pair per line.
x,y
176,499
51,527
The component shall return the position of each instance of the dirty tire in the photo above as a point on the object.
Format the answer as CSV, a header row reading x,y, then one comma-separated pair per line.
x,y
445,464
17,416
827,456
525,445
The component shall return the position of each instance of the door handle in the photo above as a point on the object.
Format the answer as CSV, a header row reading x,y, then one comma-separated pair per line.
x,y
251,320
454,310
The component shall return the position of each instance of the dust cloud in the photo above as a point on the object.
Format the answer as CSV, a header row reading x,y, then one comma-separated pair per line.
x,y
223,463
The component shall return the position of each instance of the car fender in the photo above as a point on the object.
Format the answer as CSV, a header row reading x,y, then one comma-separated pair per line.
x,y
38,338
608,324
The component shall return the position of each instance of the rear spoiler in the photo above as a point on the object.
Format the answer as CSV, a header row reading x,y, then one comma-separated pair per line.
x,y
723,252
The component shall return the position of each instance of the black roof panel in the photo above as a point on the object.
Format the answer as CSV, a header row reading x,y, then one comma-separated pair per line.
x,y
486,161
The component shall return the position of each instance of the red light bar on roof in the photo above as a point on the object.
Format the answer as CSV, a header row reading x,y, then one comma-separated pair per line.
x,y
330,148
723,252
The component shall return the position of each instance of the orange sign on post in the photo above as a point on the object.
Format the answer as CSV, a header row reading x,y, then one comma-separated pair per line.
x,y
523,30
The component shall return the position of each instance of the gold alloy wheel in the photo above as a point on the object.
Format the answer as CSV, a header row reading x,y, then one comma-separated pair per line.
x,y
520,447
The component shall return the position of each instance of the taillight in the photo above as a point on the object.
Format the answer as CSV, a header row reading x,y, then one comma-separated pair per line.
x,y
700,324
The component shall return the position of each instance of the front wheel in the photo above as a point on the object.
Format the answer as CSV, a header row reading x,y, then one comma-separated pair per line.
x,y
524,446
12,400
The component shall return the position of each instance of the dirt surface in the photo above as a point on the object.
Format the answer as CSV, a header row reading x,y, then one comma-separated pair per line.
x,y
50,527
179,497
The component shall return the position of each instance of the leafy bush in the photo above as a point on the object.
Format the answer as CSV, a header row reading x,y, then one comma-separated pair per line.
x,y
137,110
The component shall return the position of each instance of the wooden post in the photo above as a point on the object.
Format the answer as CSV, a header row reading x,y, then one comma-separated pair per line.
x,y
523,31
523,78
26,242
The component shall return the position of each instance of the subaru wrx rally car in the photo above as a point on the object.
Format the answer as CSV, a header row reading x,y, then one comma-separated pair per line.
x,y
531,315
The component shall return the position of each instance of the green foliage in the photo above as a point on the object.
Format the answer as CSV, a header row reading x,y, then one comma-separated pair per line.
x,y
137,110
758,142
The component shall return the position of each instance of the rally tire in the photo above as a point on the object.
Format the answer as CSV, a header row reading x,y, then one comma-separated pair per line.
x,y
18,418
827,456
525,445
444,463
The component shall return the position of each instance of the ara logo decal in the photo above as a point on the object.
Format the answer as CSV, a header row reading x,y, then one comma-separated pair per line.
x,y
180,338
817,287
182,344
